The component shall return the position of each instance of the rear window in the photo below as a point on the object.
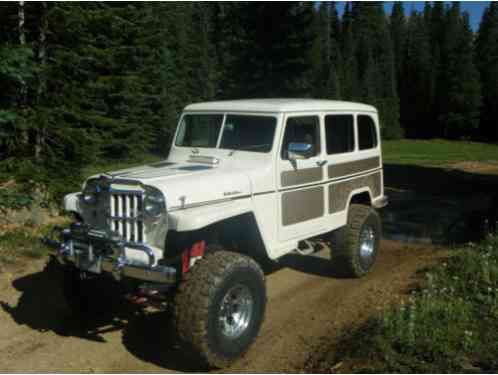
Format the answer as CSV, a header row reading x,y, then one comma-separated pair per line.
x,y
367,136
339,133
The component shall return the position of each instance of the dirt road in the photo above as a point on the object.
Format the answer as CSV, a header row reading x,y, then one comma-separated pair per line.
x,y
305,305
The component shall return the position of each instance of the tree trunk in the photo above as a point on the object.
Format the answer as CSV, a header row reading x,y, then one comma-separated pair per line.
x,y
22,42
20,13
23,89
42,83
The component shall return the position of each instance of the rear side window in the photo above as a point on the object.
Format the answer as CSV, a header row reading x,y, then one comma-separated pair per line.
x,y
367,136
339,133
305,129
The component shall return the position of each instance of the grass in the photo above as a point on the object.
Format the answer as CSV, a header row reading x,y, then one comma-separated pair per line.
x,y
436,152
450,324
23,243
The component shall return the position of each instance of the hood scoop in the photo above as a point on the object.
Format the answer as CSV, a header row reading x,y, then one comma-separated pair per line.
x,y
202,159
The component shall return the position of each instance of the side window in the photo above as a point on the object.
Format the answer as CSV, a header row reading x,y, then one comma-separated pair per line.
x,y
339,133
367,136
304,129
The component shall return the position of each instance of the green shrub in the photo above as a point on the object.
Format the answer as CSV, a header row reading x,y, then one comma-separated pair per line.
x,y
14,200
22,242
450,324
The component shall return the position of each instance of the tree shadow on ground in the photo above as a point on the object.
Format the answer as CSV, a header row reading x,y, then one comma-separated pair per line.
x,y
149,336
314,264
442,204
152,338
437,180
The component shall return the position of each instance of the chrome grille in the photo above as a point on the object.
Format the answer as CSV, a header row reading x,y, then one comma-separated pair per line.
x,y
127,215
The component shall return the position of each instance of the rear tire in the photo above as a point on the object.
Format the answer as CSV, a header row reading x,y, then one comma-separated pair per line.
x,y
356,245
220,306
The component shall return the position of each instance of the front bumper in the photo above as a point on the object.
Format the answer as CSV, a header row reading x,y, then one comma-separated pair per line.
x,y
105,252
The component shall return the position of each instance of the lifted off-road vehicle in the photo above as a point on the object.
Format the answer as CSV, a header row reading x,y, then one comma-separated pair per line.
x,y
245,182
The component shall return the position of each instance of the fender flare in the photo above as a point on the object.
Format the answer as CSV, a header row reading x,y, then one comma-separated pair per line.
x,y
359,191
199,217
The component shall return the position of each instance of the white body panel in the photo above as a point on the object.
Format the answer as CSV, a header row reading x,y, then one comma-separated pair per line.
x,y
199,194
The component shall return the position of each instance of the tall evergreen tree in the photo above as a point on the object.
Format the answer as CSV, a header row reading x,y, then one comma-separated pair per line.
x,y
398,31
376,65
85,81
333,89
416,83
437,31
459,116
272,55
487,61
349,69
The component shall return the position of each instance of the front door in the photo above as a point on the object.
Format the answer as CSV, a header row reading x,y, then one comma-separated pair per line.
x,y
301,194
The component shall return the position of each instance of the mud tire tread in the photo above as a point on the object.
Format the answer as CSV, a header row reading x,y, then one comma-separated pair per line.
x,y
345,240
195,295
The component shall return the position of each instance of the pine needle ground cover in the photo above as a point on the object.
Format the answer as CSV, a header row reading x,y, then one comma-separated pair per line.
x,y
448,324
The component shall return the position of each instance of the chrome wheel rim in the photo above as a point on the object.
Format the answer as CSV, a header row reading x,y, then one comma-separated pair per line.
x,y
367,246
236,311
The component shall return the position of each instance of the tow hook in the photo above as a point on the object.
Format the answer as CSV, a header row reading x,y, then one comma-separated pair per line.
x,y
150,295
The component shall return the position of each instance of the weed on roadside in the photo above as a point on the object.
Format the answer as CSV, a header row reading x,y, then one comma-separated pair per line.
x,y
450,324
23,242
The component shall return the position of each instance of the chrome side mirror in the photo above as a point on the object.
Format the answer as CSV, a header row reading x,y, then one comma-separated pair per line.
x,y
296,151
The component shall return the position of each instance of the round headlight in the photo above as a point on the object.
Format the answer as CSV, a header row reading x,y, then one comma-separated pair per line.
x,y
90,192
154,204
89,198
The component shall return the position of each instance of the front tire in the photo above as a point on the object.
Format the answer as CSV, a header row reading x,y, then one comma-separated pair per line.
x,y
220,306
356,245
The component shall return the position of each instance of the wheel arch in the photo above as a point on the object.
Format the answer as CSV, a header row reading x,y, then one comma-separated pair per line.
x,y
238,233
360,196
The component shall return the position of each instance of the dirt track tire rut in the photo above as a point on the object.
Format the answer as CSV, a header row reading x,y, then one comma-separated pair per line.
x,y
305,306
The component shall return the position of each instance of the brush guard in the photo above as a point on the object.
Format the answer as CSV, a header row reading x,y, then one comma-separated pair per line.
x,y
99,251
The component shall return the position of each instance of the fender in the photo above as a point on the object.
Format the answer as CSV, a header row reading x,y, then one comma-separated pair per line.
x,y
199,217
356,192
71,202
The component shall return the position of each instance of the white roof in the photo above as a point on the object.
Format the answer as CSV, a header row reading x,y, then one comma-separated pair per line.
x,y
279,105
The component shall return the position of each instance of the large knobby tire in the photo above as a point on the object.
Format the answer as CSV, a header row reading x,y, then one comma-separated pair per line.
x,y
220,306
356,245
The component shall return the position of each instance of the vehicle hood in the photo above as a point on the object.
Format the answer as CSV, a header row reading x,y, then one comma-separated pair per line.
x,y
186,184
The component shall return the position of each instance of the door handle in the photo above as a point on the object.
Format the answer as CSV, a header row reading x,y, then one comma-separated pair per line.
x,y
321,163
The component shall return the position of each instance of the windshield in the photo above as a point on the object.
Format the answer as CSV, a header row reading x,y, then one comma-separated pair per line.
x,y
240,132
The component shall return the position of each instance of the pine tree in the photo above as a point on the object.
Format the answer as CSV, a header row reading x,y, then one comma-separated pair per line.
x,y
349,80
487,62
272,57
459,116
398,30
333,89
416,83
376,65
437,32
